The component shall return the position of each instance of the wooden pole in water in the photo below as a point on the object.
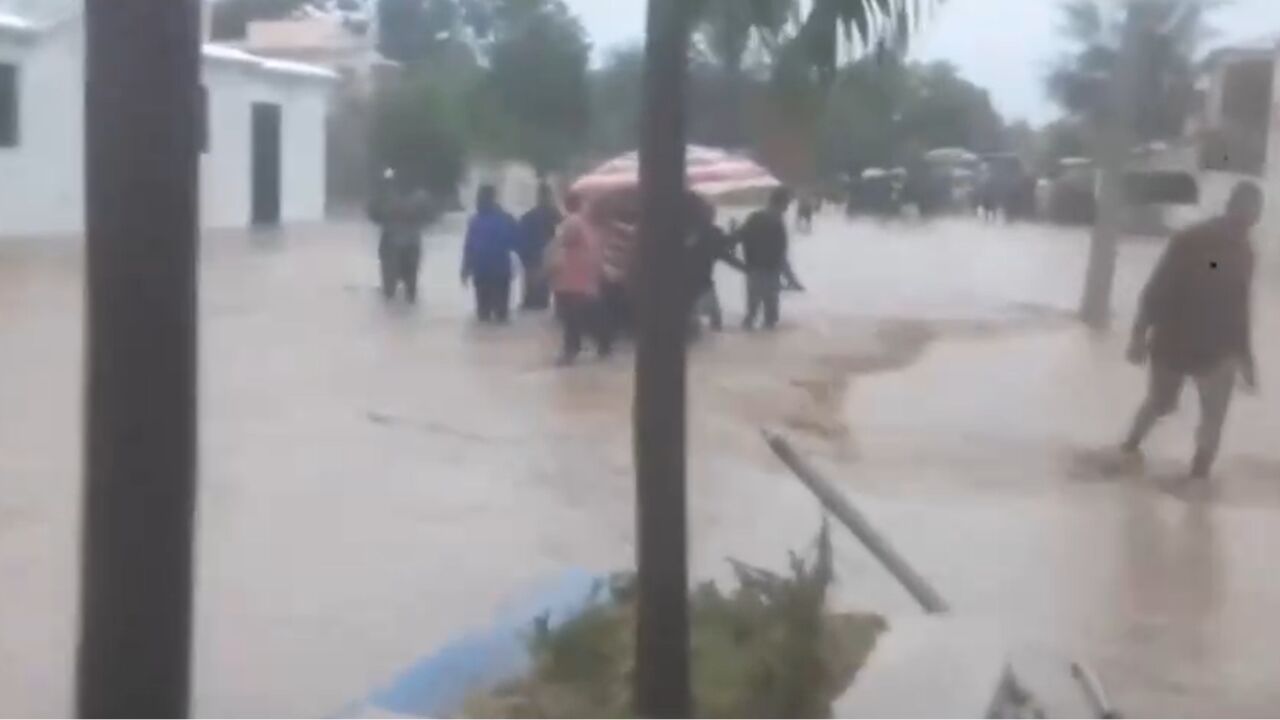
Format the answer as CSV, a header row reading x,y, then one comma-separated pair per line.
x,y
837,504
662,687
142,67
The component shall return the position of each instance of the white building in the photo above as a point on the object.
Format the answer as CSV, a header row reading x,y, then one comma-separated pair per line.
x,y
264,161
347,45
1237,132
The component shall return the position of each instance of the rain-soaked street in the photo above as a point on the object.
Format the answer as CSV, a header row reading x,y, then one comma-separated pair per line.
x,y
375,478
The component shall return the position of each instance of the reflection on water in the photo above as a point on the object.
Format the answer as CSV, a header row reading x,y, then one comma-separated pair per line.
x,y
374,478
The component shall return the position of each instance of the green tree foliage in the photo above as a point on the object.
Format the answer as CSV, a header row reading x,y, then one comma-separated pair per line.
x,y
727,31
420,132
518,66
533,104
413,32
1168,37
615,104
882,112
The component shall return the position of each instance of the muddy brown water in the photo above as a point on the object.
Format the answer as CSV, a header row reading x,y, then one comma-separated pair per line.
x,y
375,478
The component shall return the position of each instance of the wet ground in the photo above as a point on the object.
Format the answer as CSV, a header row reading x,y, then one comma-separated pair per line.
x,y
374,477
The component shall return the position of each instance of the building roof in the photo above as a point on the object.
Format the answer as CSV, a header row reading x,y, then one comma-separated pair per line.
x,y
225,53
56,11
1260,48
15,25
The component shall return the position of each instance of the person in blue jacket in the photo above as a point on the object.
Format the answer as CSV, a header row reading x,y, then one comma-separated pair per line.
x,y
493,237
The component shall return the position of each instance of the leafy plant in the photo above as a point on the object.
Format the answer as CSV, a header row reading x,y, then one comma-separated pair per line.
x,y
768,648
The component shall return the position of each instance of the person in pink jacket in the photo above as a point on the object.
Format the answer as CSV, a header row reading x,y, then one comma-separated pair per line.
x,y
577,268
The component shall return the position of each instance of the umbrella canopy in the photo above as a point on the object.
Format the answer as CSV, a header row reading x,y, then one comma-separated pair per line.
x,y
715,174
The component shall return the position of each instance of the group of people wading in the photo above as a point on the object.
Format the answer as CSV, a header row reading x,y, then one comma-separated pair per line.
x,y
580,256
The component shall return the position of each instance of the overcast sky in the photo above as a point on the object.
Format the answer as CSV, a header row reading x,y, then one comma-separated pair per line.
x,y
1005,46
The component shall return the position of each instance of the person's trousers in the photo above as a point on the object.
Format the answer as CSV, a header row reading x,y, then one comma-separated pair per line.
x,y
493,298
400,264
616,307
583,315
763,290
1215,388
708,306
537,292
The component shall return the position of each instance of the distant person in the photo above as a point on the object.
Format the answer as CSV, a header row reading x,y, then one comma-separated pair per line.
x,y
988,201
804,215
576,266
492,239
765,253
401,213
537,228
1194,322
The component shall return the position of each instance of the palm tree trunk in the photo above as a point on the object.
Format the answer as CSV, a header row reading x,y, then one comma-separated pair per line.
x,y
662,686
141,98
1112,147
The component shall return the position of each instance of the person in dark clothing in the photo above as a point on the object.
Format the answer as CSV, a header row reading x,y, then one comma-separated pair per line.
x,y
764,252
1194,322
401,213
537,228
492,238
708,245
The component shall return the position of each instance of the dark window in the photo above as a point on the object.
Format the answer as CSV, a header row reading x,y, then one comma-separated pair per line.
x,y
8,105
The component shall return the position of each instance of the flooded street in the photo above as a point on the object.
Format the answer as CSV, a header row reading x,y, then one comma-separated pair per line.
x,y
375,478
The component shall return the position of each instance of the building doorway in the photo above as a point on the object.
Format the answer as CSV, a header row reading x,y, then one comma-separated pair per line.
x,y
266,164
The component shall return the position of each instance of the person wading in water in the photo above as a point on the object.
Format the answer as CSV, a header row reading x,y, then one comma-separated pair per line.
x,y
1194,322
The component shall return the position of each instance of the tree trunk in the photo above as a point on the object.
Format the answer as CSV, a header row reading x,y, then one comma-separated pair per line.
x,y
141,131
1095,306
1113,141
662,687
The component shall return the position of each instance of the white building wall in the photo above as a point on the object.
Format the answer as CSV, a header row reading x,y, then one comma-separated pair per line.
x,y
42,179
226,173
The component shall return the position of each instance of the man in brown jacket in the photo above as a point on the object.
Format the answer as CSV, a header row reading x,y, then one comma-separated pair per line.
x,y
1194,322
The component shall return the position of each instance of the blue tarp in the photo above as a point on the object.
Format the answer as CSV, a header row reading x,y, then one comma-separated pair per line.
x,y
439,684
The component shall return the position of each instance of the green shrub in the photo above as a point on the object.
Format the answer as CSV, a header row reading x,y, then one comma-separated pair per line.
x,y
769,648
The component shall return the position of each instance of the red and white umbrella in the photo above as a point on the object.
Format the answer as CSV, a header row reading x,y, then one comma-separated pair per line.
x,y
715,174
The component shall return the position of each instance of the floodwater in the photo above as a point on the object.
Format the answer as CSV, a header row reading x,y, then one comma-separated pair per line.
x,y
374,477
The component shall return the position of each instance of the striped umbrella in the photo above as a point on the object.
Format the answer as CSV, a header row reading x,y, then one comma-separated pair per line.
x,y
715,174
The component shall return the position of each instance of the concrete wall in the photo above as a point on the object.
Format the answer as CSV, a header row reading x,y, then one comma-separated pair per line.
x,y
226,172
42,179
